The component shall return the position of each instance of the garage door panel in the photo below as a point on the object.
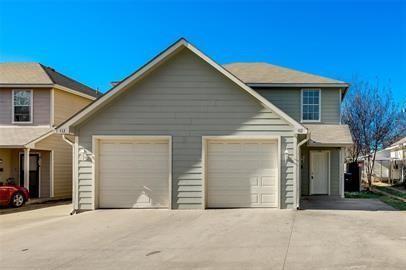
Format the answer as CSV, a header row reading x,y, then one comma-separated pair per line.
x,y
242,174
134,174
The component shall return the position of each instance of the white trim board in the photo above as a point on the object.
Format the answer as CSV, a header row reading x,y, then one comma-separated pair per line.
x,y
65,128
95,149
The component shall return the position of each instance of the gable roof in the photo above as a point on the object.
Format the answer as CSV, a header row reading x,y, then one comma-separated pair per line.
x,y
151,65
264,73
36,74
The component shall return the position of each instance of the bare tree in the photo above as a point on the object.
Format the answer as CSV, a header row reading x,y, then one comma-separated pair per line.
x,y
374,120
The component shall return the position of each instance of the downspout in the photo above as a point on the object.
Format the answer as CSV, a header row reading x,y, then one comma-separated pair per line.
x,y
74,184
298,175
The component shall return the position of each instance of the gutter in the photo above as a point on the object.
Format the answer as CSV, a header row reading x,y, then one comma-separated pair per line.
x,y
74,184
298,177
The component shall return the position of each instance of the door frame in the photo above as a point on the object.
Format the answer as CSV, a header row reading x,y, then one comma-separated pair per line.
x,y
95,160
328,171
205,141
39,169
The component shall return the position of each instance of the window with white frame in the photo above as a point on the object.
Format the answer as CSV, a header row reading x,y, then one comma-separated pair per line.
x,y
311,105
22,106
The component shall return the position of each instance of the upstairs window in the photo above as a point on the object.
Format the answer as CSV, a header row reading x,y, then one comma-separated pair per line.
x,y
311,105
22,106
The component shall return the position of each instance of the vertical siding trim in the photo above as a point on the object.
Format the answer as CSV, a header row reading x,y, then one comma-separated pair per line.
x,y
52,108
204,171
295,174
75,175
339,104
206,139
341,172
95,168
51,174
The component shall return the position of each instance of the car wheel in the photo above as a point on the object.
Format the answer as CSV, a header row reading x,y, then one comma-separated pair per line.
x,y
17,200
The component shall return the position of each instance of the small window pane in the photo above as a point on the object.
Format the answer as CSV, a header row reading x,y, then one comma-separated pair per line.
x,y
311,105
22,106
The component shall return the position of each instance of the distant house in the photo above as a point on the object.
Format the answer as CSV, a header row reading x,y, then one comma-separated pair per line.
x,y
398,159
33,100
389,163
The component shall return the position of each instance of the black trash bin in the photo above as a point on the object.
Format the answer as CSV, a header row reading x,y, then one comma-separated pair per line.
x,y
351,178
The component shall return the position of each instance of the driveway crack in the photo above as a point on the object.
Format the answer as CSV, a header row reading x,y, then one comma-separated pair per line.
x,y
290,240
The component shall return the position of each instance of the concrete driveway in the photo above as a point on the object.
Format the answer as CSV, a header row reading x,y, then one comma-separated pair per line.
x,y
212,239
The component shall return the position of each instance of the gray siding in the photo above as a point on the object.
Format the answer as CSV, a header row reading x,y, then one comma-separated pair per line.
x,y
187,99
41,109
334,170
289,100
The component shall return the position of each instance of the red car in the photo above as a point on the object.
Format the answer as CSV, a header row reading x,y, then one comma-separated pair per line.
x,y
12,194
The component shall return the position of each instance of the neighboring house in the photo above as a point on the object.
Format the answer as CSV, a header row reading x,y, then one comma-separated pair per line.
x,y
398,159
33,100
382,166
183,132
389,165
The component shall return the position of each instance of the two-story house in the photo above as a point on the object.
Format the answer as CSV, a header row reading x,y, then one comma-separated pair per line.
x,y
33,100
184,132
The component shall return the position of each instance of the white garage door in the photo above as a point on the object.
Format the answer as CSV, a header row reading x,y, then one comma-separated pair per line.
x,y
242,174
134,174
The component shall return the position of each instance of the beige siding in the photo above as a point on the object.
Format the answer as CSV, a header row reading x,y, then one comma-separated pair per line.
x,y
62,164
41,106
289,101
186,99
66,105
5,164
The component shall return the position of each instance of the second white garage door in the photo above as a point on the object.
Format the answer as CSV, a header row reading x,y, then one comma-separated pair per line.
x,y
242,174
134,174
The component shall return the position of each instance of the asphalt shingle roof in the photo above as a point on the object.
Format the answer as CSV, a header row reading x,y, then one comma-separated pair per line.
x,y
17,136
264,73
38,74
329,134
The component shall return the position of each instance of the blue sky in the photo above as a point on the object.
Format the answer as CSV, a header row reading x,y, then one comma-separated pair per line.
x,y
97,42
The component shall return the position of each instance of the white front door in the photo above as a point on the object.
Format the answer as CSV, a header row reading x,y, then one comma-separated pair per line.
x,y
242,173
319,172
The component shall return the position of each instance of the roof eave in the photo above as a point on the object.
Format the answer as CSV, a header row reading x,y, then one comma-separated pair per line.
x,y
258,85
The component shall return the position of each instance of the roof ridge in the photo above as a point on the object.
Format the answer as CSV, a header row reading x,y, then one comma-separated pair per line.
x,y
65,76
46,72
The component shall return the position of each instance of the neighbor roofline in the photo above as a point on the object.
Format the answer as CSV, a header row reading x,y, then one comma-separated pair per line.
x,y
47,85
149,66
251,84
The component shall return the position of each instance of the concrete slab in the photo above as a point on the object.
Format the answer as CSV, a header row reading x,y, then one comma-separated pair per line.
x,y
337,203
212,239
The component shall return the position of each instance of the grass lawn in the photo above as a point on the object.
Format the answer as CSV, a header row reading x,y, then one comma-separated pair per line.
x,y
371,195
391,191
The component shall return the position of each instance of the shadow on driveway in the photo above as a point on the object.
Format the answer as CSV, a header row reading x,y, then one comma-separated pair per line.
x,y
336,203
33,206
